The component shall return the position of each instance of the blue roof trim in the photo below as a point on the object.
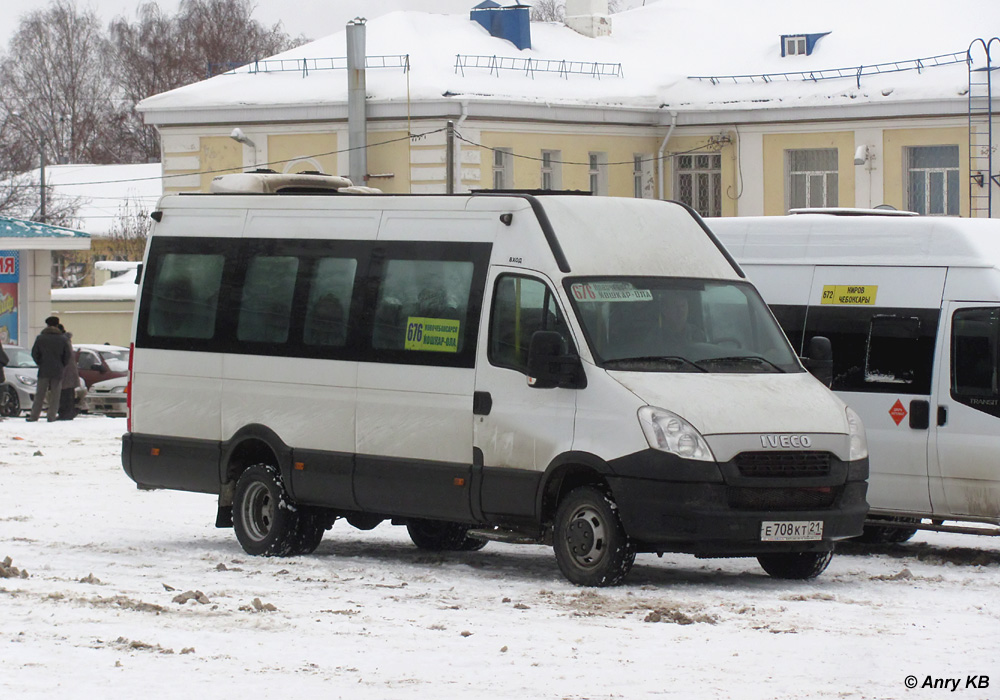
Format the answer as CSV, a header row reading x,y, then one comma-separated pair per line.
x,y
811,40
19,228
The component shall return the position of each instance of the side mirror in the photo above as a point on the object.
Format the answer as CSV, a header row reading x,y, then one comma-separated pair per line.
x,y
819,361
550,365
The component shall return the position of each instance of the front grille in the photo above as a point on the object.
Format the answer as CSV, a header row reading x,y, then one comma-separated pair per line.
x,y
783,464
743,498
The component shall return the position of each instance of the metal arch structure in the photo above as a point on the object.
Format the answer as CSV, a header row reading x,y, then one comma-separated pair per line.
x,y
982,179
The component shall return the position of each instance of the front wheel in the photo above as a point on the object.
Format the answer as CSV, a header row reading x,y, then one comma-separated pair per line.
x,y
266,521
591,546
10,405
795,565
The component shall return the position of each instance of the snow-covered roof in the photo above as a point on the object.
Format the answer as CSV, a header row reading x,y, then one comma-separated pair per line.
x,y
18,234
659,47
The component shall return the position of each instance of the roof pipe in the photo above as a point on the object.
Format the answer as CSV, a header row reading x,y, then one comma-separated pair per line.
x,y
457,162
357,127
663,148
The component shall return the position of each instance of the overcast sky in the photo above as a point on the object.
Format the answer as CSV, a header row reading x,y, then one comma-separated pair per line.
x,y
313,18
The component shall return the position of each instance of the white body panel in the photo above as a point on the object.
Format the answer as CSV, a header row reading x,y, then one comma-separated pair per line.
x,y
948,470
423,412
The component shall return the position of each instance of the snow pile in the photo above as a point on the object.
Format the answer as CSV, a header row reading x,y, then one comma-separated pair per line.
x,y
138,591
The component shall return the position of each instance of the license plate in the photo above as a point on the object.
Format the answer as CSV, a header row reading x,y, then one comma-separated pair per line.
x,y
791,530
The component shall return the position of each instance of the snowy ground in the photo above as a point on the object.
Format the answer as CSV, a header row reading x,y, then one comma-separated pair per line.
x,y
370,616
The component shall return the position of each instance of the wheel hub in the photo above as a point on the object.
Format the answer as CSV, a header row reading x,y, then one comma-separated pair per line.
x,y
585,537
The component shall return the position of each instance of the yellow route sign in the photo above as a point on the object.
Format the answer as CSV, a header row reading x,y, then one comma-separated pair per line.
x,y
849,294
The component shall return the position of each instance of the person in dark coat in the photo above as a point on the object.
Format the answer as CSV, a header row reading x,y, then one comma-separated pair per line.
x,y
70,382
51,352
4,361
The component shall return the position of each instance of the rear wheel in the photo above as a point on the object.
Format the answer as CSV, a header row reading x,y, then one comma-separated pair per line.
x,y
267,522
439,536
591,546
795,565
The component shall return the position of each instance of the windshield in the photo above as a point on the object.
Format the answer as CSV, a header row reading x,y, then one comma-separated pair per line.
x,y
666,324
19,357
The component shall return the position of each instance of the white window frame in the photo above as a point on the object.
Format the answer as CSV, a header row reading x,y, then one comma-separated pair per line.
x,y
926,173
810,177
503,169
795,45
598,172
714,175
551,170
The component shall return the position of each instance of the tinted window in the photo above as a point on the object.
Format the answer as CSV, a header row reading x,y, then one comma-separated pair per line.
x,y
184,296
975,357
266,304
426,310
330,294
888,351
521,306
672,324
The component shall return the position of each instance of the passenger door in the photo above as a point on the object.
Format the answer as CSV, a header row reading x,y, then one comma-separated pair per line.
x,y
966,441
414,400
518,430
883,323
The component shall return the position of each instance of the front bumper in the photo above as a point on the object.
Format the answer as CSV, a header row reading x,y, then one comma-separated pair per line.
x,y
711,509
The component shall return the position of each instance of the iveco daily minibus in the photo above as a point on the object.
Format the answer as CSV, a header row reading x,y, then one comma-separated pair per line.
x,y
591,373
911,305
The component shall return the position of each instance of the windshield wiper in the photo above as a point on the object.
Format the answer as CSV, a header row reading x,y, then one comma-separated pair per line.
x,y
735,359
663,359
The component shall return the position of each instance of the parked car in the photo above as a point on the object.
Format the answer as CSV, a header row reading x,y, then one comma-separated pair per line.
x,y
22,378
98,363
109,397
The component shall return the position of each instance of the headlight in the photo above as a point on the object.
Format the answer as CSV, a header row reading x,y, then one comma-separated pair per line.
x,y
856,430
27,380
118,390
669,432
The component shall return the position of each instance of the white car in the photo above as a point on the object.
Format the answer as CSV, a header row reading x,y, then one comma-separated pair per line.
x,y
21,379
109,397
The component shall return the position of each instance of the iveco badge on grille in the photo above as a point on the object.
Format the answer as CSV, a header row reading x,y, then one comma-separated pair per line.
x,y
786,442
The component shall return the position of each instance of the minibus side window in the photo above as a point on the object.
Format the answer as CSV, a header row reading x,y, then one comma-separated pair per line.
x,y
329,302
893,352
521,306
422,306
975,355
266,304
185,296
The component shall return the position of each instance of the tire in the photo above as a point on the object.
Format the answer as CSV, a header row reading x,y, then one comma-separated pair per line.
x,y
440,536
591,546
10,405
795,565
267,522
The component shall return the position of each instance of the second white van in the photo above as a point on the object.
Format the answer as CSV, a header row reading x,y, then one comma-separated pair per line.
x,y
911,305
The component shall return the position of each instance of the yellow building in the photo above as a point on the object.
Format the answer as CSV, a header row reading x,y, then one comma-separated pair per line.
x,y
734,115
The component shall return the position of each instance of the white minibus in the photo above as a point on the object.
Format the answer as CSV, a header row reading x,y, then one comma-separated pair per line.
x,y
911,305
595,374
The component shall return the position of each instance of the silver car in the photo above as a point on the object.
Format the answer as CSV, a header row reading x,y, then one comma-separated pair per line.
x,y
21,379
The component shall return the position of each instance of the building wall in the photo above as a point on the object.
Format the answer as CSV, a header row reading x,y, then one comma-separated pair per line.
x,y
894,143
775,195
96,321
753,163
575,148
